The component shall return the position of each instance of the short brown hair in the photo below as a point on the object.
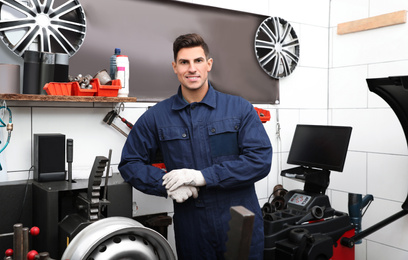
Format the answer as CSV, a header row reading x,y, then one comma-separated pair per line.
x,y
188,41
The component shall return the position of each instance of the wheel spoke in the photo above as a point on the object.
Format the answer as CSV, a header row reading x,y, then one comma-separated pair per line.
x,y
264,44
65,44
268,32
37,5
286,31
294,42
27,39
15,24
47,5
275,68
267,58
19,7
70,26
285,66
292,56
276,28
65,8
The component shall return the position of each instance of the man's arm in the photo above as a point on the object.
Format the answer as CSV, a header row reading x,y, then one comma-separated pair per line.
x,y
135,165
254,161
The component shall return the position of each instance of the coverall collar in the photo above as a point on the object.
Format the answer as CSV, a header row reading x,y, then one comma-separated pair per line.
x,y
209,99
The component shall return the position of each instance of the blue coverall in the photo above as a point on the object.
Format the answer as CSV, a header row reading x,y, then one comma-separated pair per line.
x,y
223,137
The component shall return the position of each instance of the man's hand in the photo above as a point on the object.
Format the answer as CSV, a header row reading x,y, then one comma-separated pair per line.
x,y
182,193
177,178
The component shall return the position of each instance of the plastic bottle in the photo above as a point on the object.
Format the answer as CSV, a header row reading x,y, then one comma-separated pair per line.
x,y
112,71
122,73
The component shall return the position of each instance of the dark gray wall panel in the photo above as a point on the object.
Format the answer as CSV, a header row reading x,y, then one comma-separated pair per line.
x,y
145,31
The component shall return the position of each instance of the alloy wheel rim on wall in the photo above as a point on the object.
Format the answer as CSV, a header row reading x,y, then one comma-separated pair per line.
x,y
57,26
277,47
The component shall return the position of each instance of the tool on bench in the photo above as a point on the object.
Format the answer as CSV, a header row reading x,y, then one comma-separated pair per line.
x,y
130,125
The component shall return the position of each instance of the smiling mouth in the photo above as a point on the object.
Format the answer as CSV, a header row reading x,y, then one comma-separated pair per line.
x,y
192,77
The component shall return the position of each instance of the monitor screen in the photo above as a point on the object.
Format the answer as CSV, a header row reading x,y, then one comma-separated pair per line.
x,y
319,146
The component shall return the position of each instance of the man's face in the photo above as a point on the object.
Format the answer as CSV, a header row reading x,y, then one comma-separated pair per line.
x,y
192,68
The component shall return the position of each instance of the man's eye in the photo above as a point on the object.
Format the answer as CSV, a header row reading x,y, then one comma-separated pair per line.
x,y
183,62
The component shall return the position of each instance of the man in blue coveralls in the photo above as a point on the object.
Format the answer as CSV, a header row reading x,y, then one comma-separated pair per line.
x,y
214,147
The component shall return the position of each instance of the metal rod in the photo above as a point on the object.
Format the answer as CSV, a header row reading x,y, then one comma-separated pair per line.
x,y
18,242
25,241
70,159
107,175
349,242
120,130
6,234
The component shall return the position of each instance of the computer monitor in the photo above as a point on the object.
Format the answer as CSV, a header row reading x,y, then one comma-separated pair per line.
x,y
320,146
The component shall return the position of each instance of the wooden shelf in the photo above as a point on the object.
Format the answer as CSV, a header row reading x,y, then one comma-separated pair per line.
x,y
46,98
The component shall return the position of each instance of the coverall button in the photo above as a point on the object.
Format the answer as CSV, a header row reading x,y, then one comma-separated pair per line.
x,y
236,127
184,135
213,130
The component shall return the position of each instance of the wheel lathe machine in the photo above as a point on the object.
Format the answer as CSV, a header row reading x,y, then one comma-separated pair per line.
x,y
301,224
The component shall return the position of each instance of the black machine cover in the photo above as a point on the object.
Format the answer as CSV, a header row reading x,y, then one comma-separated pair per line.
x,y
394,90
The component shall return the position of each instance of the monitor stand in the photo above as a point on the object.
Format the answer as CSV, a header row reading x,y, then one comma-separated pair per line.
x,y
316,180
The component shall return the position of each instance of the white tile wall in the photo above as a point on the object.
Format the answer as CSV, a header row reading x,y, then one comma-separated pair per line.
x,y
314,47
350,91
387,176
378,251
313,12
305,88
394,234
327,87
378,7
340,11
372,46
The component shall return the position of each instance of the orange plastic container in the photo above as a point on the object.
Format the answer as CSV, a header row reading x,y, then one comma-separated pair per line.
x,y
77,91
263,114
58,88
107,90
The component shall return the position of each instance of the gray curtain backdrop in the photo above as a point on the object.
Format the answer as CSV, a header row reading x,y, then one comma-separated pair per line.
x,y
145,31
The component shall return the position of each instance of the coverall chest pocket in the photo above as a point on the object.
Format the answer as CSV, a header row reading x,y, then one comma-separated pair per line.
x,y
175,144
223,137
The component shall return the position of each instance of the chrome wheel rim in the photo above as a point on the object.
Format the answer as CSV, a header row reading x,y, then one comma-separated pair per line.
x,y
56,26
276,47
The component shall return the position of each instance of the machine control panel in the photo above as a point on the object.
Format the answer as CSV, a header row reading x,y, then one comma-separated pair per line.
x,y
299,199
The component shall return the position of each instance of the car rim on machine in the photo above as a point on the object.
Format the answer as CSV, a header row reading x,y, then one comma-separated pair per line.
x,y
118,238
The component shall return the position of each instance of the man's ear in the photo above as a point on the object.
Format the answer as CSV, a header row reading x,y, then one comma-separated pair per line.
x,y
174,66
210,63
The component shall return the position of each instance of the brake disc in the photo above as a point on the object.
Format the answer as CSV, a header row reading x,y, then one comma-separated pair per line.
x,y
57,26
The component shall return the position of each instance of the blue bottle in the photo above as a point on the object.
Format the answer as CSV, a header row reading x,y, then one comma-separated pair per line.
x,y
112,70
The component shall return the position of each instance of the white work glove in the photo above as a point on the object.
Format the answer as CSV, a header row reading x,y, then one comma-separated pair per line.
x,y
177,178
182,193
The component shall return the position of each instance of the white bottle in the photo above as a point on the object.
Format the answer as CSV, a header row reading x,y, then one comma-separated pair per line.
x,y
122,73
